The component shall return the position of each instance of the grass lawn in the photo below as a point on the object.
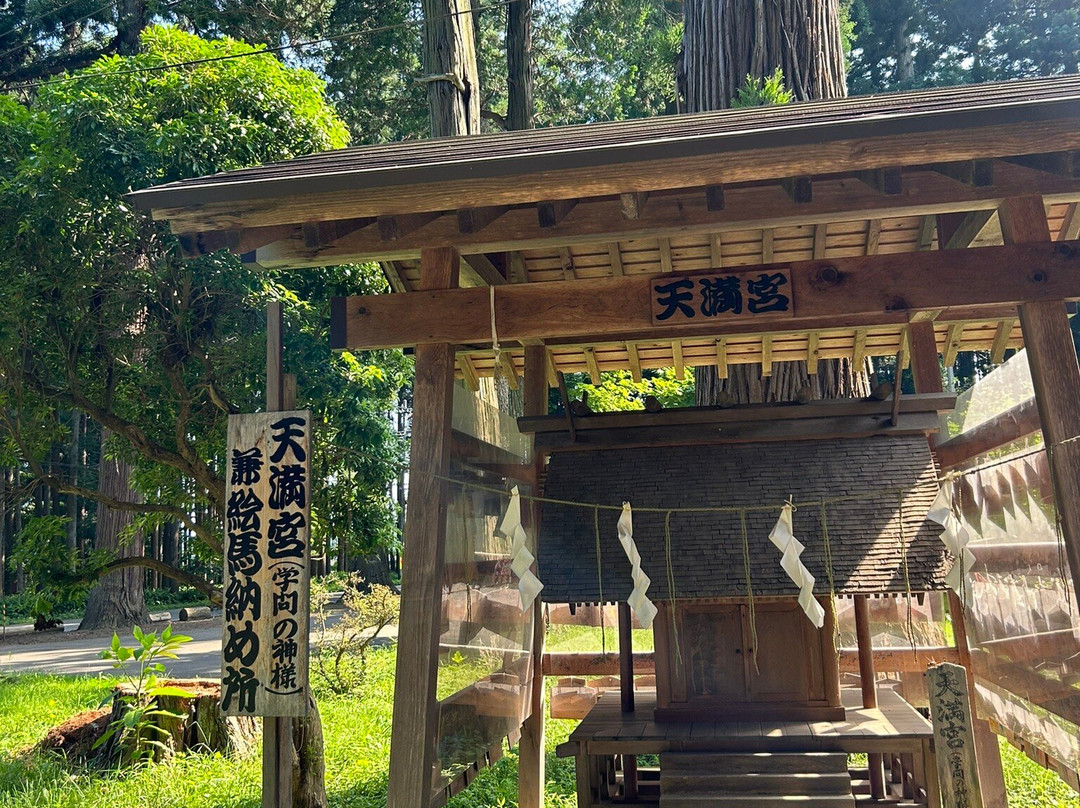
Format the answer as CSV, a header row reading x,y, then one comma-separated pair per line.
x,y
357,749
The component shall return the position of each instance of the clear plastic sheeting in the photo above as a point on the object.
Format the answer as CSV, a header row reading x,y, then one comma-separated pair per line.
x,y
1021,615
485,643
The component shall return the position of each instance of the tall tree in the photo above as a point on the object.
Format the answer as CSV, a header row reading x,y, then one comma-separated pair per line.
x,y
724,45
450,68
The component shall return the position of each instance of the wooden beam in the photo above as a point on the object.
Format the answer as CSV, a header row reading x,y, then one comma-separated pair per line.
x,y
626,657
821,232
509,372
634,360
415,724
566,258
677,358
1001,340
813,352
873,236
835,290
925,370
1070,224
888,181
550,214
665,255
868,684
468,372
979,173
1001,430
952,343
593,365
318,235
721,358
392,228
716,250
482,271
615,257
395,276
959,230
714,197
193,245
516,268
748,208
1062,163
925,239
858,353
800,189
1054,374
766,355
767,246
473,220
633,205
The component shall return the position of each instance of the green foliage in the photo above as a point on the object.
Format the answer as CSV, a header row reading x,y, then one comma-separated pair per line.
x,y
763,92
344,643
41,549
618,391
134,737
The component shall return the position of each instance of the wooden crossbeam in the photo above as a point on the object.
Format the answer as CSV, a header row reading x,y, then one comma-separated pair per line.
x,y
748,208
634,359
677,358
826,293
979,173
473,220
889,181
800,189
959,230
482,270
392,228
322,234
549,214
193,245
721,358
1063,163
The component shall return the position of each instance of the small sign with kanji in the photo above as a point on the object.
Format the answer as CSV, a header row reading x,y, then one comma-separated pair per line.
x,y
264,650
699,299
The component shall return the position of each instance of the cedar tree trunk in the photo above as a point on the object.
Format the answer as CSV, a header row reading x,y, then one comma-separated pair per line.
x,y
723,43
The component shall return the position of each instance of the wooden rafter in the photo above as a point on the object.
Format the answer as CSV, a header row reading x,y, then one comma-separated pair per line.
x,y
615,257
873,236
592,364
634,360
677,359
721,358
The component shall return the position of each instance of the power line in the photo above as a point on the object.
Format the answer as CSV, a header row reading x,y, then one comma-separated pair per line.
x,y
276,49
43,15
65,27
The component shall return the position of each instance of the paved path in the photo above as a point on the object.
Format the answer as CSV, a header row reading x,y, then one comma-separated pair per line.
x,y
69,653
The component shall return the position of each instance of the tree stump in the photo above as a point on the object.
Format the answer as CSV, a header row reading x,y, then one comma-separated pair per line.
x,y
200,725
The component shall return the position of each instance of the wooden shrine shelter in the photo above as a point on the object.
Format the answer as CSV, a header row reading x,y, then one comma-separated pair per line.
x,y
915,224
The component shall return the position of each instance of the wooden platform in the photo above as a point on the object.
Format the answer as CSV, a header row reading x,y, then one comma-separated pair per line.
x,y
894,726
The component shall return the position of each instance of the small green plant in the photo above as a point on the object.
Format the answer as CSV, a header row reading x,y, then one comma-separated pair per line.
x,y
341,662
135,737
758,92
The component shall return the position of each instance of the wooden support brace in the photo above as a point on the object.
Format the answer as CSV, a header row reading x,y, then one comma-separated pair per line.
x,y
665,255
766,354
767,246
473,220
1070,224
925,239
800,189
391,228
677,358
322,234
714,197
952,343
924,357
1001,340
858,354
635,361
509,372
482,270
959,230
516,268
873,236
977,173
566,258
592,364
813,352
468,372
721,358
395,276
549,214
821,232
615,257
1062,164
716,250
888,181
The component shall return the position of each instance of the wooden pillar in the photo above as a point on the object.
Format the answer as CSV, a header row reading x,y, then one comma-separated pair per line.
x,y
626,657
531,755
868,682
987,750
832,672
277,757
416,715
925,369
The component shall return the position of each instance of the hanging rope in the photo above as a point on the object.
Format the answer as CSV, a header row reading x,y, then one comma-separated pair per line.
x,y
907,579
829,575
671,585
600,581
749,589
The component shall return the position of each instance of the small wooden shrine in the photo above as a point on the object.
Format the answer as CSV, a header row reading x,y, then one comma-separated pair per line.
x,y
917,224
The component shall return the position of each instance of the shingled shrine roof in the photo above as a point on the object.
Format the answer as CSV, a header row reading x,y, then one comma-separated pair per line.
x,y
707,558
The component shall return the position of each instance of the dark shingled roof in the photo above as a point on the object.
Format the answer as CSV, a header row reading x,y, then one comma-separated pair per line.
x,y
582,146
706,548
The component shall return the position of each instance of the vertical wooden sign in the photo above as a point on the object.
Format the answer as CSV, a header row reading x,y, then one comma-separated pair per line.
x,y
264,650
954,738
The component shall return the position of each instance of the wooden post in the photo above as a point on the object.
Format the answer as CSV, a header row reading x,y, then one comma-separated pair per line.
x,y
987,751
868,682
277,759
626,656
925,369
531,755
416,716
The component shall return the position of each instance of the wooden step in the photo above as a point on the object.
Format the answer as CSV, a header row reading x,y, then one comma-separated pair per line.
x,y
762,783
755,762
755,801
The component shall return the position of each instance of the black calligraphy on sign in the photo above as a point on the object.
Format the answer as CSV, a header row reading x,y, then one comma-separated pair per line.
x,y
951,713
718,296
267,550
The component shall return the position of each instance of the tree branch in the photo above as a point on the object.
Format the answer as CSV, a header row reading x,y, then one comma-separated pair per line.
x,y
179,575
